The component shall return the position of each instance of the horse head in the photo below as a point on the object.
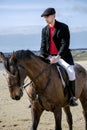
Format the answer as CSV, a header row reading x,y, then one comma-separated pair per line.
x,y
16,75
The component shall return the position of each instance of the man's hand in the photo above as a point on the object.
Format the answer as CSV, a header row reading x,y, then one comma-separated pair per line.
x,y
54,59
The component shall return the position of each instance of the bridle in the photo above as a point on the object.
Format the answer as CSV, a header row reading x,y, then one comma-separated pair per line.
x,y
33,80
23,87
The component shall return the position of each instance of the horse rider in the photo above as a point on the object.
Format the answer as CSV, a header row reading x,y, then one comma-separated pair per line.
x,y
55,41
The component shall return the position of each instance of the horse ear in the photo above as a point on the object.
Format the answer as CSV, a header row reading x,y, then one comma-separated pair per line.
x,y
2,57
13,57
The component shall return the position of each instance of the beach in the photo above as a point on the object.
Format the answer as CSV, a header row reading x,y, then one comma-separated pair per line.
x,y
15,115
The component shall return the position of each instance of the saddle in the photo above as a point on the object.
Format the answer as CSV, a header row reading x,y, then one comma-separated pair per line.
x,y
64,77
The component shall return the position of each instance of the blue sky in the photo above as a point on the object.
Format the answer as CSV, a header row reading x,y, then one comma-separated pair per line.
x,y
18,15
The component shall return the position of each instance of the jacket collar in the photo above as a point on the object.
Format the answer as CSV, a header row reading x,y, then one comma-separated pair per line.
x,y
55,29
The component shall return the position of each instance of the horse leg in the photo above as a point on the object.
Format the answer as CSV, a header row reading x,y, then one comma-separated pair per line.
x,y
36,113
58,115
68,117
83,99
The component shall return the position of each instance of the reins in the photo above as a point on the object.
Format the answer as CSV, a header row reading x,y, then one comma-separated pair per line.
x,y
42,90
36,76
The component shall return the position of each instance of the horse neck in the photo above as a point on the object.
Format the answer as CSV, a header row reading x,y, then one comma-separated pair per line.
x,y
38,71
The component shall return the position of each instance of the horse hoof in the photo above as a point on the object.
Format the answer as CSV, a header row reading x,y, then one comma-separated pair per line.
x,y
73,102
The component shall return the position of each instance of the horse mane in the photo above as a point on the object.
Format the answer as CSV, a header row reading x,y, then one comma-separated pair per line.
x,y
21,54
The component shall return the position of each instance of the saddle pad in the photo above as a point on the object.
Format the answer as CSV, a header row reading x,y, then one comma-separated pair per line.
x,y
63,75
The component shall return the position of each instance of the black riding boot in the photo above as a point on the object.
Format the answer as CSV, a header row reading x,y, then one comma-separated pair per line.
x,y
72,100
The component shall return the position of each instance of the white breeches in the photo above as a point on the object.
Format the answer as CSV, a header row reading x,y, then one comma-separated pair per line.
x,y
69,68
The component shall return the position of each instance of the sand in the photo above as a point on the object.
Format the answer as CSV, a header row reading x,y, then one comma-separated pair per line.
x,y
15,115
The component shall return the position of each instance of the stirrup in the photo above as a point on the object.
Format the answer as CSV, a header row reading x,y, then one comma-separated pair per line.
x,y
73,102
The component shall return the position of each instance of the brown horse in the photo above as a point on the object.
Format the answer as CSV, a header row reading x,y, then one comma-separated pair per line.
x,y
46,91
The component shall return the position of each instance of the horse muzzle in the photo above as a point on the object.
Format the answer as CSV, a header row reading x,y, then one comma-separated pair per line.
x,y
16,95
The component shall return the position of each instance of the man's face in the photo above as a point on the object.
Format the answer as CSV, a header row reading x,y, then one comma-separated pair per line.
x,y
49,19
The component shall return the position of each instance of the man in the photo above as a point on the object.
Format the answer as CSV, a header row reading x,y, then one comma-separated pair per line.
x,y
55,45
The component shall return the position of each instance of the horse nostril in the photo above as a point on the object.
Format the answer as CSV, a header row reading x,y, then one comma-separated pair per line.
x,y
17,97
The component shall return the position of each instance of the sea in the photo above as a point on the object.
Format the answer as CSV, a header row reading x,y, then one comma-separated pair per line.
x,y
13,42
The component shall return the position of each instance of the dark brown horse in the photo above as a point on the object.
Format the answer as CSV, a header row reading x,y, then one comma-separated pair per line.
x,y
46,91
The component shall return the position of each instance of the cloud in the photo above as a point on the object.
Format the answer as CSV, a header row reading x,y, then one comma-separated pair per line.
x,y
24,12
33,29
